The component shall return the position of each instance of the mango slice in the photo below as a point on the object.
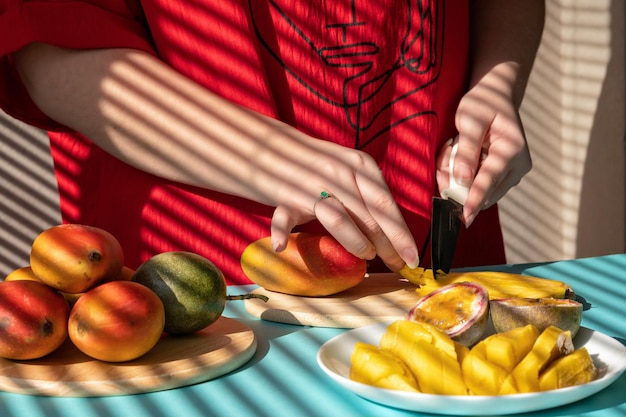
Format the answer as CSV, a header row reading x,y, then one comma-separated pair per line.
x,y
490,361
551,344
481,376
507,349
430,355
418,357
498,284
373,366
573,369
437,372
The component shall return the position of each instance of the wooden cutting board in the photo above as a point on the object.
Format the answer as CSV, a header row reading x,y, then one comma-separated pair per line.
x,y
379,298
176,361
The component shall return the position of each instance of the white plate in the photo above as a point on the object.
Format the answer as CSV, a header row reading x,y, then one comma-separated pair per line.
x,y
608,354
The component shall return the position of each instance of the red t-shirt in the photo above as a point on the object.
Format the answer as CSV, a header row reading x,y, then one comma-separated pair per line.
x,y
384,77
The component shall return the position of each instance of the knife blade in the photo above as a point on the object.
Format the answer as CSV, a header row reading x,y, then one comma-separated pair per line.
x,y
447,220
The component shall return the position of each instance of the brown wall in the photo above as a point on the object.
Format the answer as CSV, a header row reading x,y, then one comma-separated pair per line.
x,y
572,204
28,191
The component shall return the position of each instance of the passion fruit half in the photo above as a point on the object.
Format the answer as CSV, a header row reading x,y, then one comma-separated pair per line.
x,y
461,310
509,313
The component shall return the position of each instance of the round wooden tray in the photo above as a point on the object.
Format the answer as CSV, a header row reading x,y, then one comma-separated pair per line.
x,y
175,361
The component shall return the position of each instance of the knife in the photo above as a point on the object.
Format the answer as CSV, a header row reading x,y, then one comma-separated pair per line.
x,y
447,220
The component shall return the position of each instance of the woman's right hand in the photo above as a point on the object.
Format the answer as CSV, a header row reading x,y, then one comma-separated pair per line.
x,y
360,213
152,117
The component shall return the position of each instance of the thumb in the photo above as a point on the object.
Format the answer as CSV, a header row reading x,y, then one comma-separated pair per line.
x,y
466,160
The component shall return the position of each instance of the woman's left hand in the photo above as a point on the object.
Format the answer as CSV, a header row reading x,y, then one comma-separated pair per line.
x,y
493,154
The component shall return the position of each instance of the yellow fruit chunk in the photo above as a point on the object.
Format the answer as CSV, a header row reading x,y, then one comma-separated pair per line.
x,y
429,353
509,348
436,371
379,368
402,334
415,356
481,376
573,369
490,361
498,284
551,344
418,276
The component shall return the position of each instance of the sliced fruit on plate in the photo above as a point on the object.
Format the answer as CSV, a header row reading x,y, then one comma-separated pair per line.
x,y
573,369
373,366
490,361
498,284
551,344
461,310
429,353
436,371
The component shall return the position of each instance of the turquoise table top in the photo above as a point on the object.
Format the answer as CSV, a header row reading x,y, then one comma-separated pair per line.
x,y
283,378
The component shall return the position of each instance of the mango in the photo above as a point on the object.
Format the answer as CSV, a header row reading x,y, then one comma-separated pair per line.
x,y
73,258
429,353
33,319
116,321
509,313
373,366
573,369
490,361
311,265
24,273
498,284
551,344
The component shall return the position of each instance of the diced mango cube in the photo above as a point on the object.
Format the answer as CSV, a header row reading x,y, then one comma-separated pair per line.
x,y
490,361
379,368
509,348
573,369
430,355
551,344
461,352
481,376
402,334
436,371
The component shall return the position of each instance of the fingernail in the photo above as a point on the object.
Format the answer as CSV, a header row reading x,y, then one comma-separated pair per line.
x,y
411,258
469,220
463,175
277,246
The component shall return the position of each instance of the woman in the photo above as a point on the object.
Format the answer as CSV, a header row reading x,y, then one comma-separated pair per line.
x,y
203,127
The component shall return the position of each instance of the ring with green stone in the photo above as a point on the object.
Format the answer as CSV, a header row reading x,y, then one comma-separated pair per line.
x,y
323,196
